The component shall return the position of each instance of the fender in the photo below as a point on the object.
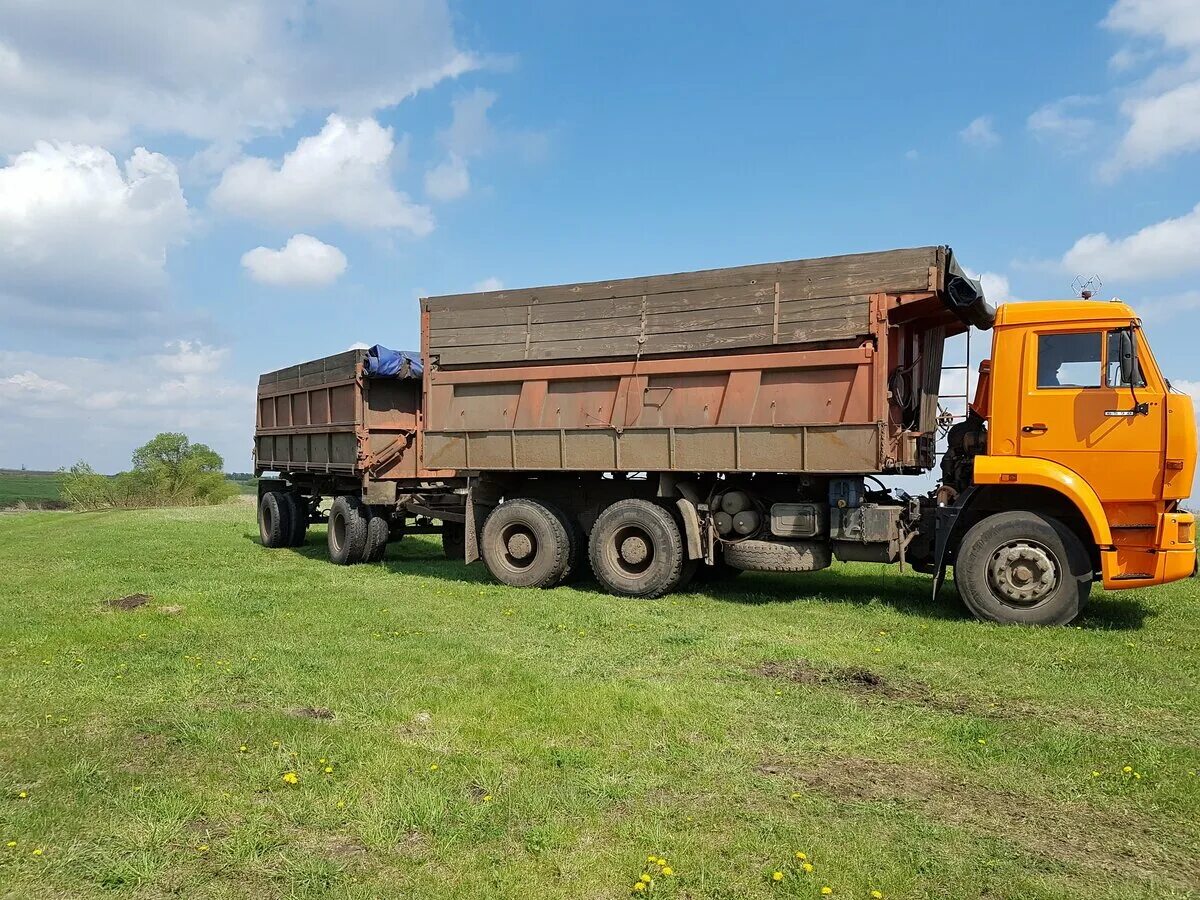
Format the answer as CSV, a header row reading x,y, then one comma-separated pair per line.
x,y
1020,470
1052,475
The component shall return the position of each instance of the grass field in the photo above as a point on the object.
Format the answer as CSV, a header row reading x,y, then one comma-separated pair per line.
x,y
452,738
31,488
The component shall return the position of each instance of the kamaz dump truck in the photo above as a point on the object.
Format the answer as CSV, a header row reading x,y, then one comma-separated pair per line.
x,y
660,429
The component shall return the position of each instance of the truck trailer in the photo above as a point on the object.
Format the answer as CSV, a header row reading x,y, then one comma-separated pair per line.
x,y
661,429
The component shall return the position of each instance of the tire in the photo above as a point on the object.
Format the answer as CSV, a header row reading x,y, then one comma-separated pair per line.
x,y
1022,568
378,533
275,519
636,549
778,556
298,510
454,540
347,534
526,544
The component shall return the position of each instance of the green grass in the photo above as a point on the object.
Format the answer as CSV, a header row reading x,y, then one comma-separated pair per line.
x,y
31,488
574,733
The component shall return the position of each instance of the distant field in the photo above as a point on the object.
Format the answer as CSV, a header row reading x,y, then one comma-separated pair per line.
x,y
451,738
29,487
37,488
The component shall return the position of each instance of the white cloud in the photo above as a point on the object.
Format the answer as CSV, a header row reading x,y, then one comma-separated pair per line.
x,y
304,261
109,406
1189,387
84,243
995,287
342,174
980,132
1160,125
911,155
359,345
1163,110
449,179
1161,250
1061,123
491,283
214,70
191,358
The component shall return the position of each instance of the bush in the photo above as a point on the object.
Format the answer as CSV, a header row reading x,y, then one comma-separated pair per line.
x,y
167,471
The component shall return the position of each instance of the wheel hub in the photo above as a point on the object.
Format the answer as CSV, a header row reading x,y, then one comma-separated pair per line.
x,y
519,545
1023,572
634,550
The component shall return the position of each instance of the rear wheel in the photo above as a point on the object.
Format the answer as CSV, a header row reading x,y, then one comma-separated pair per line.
x,y
636,549
1023,568
298,510
275,519
347,533
378,532
526,544
454,540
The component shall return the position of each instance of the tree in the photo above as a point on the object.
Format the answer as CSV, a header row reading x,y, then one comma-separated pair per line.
x,y
167,470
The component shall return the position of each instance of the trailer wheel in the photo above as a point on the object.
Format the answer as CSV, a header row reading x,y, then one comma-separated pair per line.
x,y
274,519
1022,568
636,549
378,532
347,531
454,540
298,511
526,544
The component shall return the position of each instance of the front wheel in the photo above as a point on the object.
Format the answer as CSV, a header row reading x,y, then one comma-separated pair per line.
x,y
347,533
1023,568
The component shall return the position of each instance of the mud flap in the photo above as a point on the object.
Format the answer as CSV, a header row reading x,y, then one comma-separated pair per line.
x,y
945,521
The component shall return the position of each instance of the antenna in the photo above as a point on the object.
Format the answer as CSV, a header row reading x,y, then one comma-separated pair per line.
x,y
1086,288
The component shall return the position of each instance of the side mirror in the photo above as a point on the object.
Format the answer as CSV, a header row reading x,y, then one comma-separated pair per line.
x,y
1128,351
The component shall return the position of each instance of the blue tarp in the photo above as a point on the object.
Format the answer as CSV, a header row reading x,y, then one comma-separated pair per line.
x,y
394,363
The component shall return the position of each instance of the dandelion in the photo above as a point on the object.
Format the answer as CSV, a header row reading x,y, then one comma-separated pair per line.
x,y
341,804
667,870
242,749
876,895
291,778
433,767
1095,774
827,890
638,887
23,795
777,875
487,798
275,744
1127,769
37,851
646,879
11,844
329,770
660,861
323,760
795,796
807,867
801,855
1137,775
203,848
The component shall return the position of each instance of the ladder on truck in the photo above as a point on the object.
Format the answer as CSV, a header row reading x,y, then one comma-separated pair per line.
x,y
946,417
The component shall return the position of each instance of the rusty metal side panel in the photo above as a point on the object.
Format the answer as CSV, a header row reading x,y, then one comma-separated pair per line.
x,y
789,448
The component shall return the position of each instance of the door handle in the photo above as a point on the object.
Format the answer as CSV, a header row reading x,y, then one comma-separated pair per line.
x,y
1035,428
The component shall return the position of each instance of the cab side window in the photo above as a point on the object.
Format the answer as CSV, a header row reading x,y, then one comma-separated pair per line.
x,y
1070,360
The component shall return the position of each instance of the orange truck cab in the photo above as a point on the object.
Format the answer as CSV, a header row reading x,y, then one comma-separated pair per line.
x,y
1073,420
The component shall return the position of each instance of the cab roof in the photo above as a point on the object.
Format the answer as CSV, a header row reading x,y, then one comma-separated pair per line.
x,y
1047,311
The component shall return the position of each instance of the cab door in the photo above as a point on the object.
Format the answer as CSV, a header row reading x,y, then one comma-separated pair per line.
x,y
1071,412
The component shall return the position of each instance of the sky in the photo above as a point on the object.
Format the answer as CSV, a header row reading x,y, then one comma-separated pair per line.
x,y
197,192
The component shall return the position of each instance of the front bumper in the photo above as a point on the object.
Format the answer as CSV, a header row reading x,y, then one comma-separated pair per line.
x,y
1172,557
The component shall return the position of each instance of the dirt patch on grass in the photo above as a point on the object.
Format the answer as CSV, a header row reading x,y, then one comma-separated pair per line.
x,y
312,712
867,686
342,846
1072,833
128,602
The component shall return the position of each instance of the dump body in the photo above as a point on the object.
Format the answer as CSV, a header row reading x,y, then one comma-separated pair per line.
x,y
824,366
329,417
